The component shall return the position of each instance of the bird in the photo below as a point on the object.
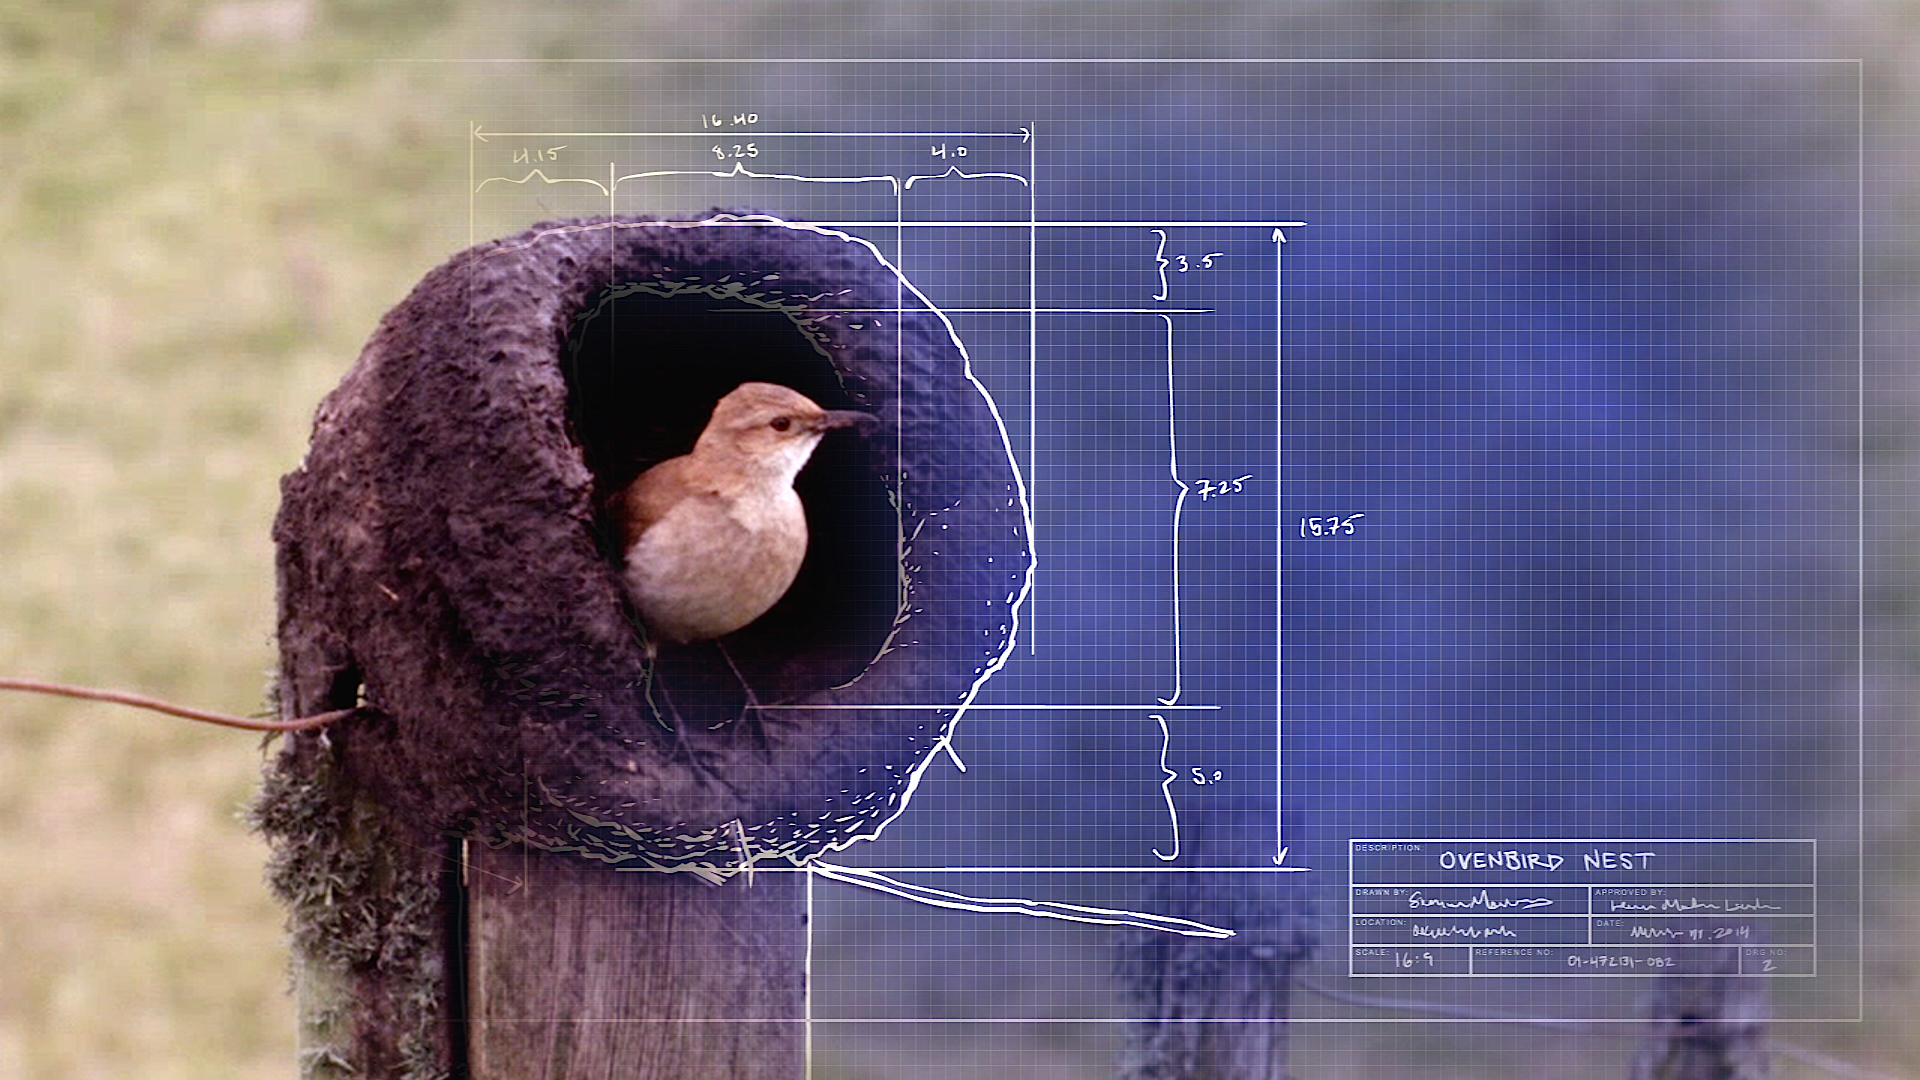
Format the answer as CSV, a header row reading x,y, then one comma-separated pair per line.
x,y
712,539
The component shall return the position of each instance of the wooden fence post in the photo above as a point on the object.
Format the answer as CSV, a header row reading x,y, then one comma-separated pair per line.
x,y
578,971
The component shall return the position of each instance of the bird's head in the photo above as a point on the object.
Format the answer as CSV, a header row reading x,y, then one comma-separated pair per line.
x,y
771,429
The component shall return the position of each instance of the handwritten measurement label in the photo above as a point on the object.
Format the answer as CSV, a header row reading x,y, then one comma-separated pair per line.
x,y
1329,526
1180,262
1213,489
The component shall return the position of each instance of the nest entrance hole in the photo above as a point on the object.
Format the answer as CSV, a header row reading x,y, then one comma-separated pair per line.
x,y
644,367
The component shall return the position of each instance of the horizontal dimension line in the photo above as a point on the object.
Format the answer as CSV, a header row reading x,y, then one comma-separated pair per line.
x,y
919,61
1156,707
750,223
1031,870
1289,1020
1054,1019
1077,869
999,310
1039,224
712,133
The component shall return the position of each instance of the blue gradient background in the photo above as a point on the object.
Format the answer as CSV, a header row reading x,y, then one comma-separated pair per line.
x,y
1577,322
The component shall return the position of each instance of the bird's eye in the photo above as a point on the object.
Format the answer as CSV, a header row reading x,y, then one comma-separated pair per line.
x,y
782,423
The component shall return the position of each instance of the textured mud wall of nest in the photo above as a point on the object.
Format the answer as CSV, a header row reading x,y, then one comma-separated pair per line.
x,y
442,563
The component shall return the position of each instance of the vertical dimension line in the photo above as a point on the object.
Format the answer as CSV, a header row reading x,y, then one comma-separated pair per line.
x,y
1179,507
1279,564
806,990
1033,383
473,129
1860,531
899,387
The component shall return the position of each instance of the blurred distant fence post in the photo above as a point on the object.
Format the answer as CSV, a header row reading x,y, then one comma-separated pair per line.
x,y
1709,1021
1216,1009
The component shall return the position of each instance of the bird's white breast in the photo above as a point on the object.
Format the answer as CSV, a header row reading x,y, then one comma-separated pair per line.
x,y
711,565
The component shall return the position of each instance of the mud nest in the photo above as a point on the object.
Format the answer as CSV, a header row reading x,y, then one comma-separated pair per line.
x,y
444,564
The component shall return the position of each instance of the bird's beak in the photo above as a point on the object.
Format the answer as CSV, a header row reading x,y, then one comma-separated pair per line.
x,y
846,418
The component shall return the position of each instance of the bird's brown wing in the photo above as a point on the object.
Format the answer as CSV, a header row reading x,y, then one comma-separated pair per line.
x,y
649,497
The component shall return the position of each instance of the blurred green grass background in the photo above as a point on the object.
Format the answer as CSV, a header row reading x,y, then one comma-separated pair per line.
x,y
205,206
